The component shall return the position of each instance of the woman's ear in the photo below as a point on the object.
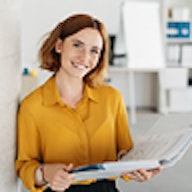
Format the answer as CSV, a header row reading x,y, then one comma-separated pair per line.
x,y
58,45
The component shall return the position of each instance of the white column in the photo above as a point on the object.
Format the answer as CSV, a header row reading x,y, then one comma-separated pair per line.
x,y
9,92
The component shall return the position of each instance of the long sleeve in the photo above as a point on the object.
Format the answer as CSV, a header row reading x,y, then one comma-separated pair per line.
x,y
124,139
50,132
28,148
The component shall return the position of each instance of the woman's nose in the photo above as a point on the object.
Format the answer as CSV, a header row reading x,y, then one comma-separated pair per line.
x,y
85,55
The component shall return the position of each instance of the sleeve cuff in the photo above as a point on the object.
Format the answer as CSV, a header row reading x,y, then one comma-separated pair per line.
x,y
126,178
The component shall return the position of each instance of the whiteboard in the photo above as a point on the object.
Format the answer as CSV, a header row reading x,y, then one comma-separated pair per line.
x,y
143,35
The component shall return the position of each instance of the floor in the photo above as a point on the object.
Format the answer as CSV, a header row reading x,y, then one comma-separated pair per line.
x,y
173,179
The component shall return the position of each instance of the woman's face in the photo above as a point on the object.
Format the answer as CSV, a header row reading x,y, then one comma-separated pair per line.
x,y
80,52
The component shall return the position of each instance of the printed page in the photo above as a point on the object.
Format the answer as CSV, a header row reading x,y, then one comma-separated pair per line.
x,y
166,148
112,169
165,123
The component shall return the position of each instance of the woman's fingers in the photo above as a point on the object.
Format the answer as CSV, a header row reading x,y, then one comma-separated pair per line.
x,y
148,174
58,176
142,175
62,181
69,167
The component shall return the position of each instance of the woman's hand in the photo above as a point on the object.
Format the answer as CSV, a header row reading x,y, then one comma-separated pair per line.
x,y
58,176
142,174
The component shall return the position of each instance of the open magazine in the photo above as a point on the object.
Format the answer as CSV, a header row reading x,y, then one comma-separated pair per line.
x,y
150,151
111,169
167,148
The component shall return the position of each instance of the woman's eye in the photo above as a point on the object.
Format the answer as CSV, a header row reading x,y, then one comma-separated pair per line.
x,y
76,44
95,51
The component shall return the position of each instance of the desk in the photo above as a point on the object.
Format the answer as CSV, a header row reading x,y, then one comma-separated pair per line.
x,y
131,80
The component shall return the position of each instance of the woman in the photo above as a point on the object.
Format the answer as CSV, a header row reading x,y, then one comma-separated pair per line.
x,y
74,118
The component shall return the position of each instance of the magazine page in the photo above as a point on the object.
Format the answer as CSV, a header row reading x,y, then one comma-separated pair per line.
x,y
167,148
111,169
165,123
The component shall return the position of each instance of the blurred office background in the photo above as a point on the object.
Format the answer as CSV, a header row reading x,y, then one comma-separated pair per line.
x,y
158,91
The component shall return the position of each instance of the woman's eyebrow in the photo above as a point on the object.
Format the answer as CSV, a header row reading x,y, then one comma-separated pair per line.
x,y
81,42
77,41
97,48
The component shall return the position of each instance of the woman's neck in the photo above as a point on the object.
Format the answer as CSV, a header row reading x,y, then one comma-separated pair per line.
x,y
70,89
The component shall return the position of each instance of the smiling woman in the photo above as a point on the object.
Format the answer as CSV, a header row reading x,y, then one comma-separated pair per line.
x,y
80,52
74,118
50,52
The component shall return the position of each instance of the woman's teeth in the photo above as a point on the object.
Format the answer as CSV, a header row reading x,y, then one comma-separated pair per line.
x,y
79,66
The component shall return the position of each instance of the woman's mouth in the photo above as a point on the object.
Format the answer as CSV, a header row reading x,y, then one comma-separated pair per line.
x,y
79,66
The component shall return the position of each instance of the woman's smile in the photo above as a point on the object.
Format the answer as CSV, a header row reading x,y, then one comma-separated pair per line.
x,y
79,66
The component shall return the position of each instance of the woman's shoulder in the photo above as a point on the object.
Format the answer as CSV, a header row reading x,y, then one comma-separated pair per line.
x,y
37,95
107,95
33,97
106,89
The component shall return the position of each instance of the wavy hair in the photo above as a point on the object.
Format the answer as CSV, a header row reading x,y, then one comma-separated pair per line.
x,y
50,59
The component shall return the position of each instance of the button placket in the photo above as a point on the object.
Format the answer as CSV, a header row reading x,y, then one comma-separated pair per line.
x,y
84,138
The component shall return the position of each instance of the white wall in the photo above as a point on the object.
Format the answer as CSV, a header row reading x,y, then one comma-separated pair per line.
x,y
9,86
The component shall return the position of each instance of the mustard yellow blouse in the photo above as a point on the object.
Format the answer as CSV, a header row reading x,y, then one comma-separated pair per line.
x,y
50,131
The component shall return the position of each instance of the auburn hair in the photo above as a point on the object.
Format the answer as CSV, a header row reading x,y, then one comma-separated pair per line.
x,y
50,59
